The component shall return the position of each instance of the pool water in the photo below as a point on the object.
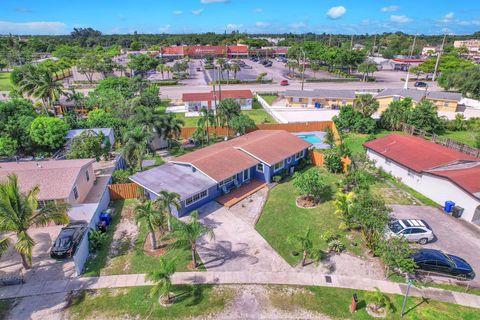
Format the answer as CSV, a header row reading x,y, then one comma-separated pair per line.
x,y
311,138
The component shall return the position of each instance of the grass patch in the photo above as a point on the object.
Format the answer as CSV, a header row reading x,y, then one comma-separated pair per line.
x,y
5,83
260,116
465,137
389,194
420,197
270,99
192,301
135,260
281,218
5,306
158,160
335,302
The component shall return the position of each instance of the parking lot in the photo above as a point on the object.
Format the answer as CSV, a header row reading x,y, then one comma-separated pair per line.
x,y
453,236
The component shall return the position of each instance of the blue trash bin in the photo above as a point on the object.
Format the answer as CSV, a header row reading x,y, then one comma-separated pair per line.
x,y
449,206
105,216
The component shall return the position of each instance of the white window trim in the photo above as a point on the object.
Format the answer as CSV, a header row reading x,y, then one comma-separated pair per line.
x,y
243,174
299,155
75,191
228,180
289,159
263,167
199,199
278,169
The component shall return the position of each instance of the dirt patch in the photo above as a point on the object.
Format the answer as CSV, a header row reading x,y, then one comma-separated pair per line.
x,y
307,202
162,245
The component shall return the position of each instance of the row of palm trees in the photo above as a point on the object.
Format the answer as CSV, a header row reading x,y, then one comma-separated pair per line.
x,y
228,67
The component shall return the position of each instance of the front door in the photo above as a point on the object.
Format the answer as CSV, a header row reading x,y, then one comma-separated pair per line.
x,y
246,175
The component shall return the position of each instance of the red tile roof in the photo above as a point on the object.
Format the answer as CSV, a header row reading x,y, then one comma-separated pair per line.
x,y
415,153
55,178
237,49
222,160
206,50
208,96
173,50
466,178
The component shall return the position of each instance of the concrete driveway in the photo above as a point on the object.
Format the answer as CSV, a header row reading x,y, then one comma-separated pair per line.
x,y
237,246
454,236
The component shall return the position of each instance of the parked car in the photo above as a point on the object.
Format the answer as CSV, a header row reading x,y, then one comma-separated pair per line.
x,y
439,262
420,84
284,83
199,69
247,66
414,230
68,239
268,64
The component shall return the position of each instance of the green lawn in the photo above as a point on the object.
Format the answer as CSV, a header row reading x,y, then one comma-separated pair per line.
x,y
281,218
135,303
269,98
391,195
5,83
134,260
334,302
259,115
465,137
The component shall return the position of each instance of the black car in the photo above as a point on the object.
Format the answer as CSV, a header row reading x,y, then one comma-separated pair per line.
x,y
68,239
420,84
439,262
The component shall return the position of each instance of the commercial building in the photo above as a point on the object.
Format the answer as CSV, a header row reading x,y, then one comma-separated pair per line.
x,y
194,102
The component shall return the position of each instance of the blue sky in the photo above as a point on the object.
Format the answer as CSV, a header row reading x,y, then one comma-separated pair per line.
x,y
187,16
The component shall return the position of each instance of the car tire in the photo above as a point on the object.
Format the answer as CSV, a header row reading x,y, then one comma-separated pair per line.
x,y
423,241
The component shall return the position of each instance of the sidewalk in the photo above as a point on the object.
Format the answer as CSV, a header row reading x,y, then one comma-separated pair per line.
x,y
279,278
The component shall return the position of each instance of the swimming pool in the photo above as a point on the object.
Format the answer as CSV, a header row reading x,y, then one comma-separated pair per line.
x,y
310,138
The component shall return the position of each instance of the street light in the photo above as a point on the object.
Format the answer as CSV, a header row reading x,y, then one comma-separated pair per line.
x,y
409,284
303,68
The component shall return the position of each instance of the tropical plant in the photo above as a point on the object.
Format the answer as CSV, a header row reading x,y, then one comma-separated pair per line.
x,y
49,132
396,114
19,211
396,254
336,246
161,277
312,183
366,68
96,239
170,127
150,212
425,116
305,243
378,300
188,233
227,110
329,137
135,147
206,120
343,204
87,145
366,105
161,69
333,160
235,67
167,200
241,123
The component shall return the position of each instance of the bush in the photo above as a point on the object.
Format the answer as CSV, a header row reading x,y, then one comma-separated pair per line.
x,y
333,160
96,239
277,178
336,246
350,119
121,176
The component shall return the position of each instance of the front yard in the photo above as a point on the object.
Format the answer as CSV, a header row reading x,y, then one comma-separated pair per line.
x,y
5,83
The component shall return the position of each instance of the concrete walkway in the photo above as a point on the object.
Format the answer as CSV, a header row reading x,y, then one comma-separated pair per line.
x,y
277,278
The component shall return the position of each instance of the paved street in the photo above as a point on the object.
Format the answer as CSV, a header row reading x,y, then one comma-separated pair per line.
x,y
454,236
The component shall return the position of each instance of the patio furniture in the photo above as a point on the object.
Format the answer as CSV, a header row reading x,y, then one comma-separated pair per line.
x,y
236,183
225,189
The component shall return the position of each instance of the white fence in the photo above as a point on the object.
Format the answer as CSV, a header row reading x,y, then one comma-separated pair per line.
x,y
268,108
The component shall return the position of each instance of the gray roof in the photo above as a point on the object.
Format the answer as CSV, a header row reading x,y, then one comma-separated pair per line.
x,y
73,133
442,95
321,93
174,178
416,95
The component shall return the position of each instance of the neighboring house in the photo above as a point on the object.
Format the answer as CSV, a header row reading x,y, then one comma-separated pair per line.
x,y
445,101
438,172
203,175
320,98
62,181
65,104
472,45
429,51
108,133
194,102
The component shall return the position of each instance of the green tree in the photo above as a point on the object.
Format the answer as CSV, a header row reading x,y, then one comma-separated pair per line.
x,y
397,113
235,67
333,160
169,200
312,183
88,65
396,254
343,204
161,277
161,69
142,63
305,243
329,137
87,145
100,118
49,132
136,46
135,147
366,105
425,117
19,211
366,68
227,110
241,123
8,146
16,116
188,233
206,120
170,127
150,213
466,81
349,119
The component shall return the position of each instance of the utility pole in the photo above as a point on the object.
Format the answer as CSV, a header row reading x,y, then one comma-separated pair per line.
x,y
351,42
413,45
409,284
438,58
303,69
374,42
330,40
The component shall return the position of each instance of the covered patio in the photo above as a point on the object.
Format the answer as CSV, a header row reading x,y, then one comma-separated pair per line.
x,y
235,196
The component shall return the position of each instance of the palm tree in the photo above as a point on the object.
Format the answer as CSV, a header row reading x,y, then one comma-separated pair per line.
x,y
161,68
221,63
227,110
207,118
162,279
291,65
135,148
228,68
188,234
170,127
306,245
169,200
39,83
235,68
19,211
153,216
168,70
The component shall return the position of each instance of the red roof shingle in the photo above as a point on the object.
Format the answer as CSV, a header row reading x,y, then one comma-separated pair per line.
x,y
226,94
466,178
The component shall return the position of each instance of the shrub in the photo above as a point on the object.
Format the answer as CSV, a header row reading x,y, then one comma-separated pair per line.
x,y
333,161
336,246
277,178
96,239
121,176
329,236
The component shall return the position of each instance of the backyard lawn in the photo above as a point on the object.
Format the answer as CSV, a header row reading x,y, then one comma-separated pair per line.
x,y
127,259
465,137
135,303
5,84
281,218
269,98
334,302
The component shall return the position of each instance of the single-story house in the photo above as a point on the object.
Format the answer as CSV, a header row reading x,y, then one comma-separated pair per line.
x,y
196,101
445,101
438,172
203,175
319,98
108,133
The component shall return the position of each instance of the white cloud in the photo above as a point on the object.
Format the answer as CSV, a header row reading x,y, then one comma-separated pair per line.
x,y
449,16
34,27
258,10
400,19
297,25
336,12
261,24
164,29
177,12
233,26
213,1
197,12
390,8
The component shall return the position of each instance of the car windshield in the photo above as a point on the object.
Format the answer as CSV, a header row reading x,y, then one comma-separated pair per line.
x,y
63,242
450,260
395,226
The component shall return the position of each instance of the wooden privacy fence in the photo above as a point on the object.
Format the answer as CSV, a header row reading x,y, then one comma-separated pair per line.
x,y
290,127
124,191
318,160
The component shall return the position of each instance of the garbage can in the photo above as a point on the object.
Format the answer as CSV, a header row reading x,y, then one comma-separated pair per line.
x,y
457,211
105,217
449,206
